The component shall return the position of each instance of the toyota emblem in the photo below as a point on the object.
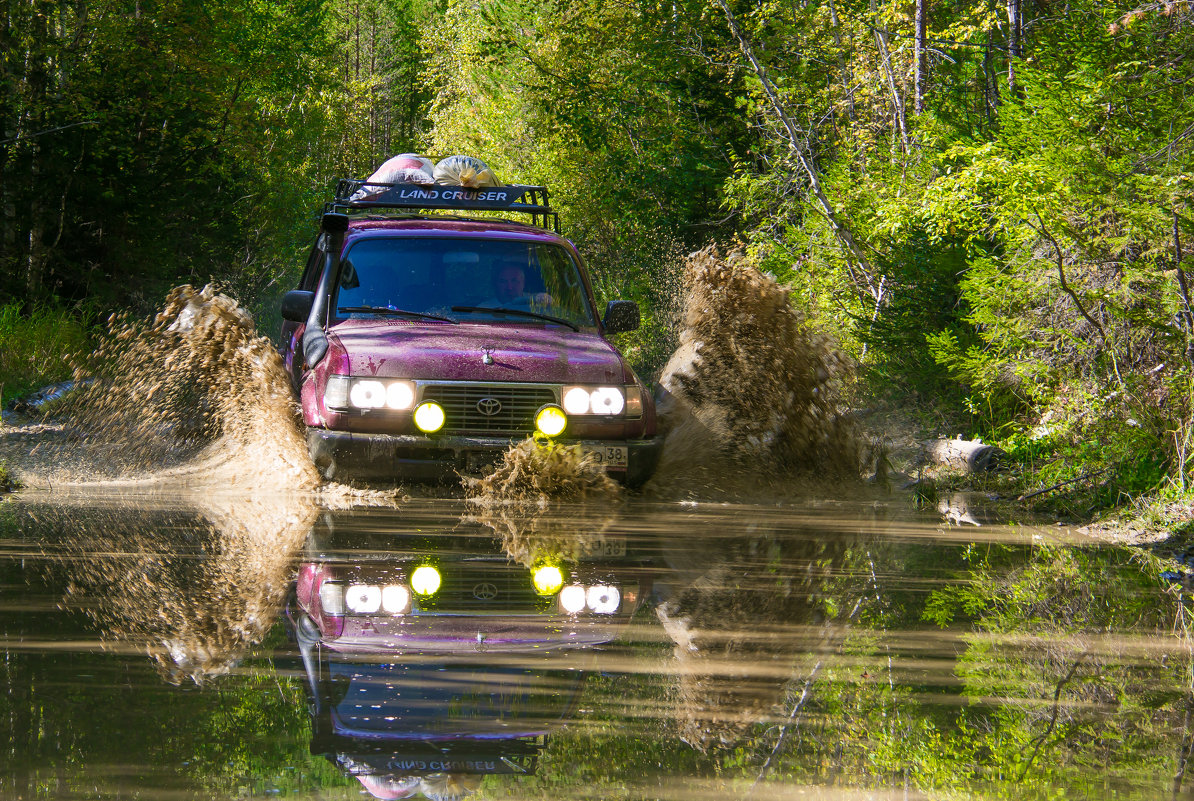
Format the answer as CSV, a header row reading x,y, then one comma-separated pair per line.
x,y
489,406
485,591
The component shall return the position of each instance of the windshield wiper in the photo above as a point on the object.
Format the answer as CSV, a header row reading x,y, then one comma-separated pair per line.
x,y
518,312
395,312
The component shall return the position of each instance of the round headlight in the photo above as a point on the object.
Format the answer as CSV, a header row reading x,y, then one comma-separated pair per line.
x,y
364,599
551,421
425,580
395,599
604,599
607,400
367,394
429,417
572,598
548,579
400,395
576,400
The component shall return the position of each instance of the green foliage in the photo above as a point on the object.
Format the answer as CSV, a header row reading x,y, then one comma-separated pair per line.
x,y
38,348
609,107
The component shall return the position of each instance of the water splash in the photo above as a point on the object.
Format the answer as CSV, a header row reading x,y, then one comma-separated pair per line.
x,y
194,585
194,396
750,388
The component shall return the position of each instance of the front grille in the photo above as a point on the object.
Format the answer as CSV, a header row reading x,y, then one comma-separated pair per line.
x,y
517,414
481,587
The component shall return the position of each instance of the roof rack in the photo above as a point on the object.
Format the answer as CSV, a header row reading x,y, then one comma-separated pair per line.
x,y
355,195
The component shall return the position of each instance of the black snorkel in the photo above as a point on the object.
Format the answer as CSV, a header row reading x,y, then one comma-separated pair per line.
x,y
315,340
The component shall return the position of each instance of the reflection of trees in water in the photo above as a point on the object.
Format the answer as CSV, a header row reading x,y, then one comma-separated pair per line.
x,y
749,615
1059,672
195,590
1074,656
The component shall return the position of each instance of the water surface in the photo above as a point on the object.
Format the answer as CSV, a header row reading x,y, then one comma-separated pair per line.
x,y
173,646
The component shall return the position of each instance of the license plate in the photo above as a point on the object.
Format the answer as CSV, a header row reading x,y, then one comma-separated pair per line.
x,y
603,546
613,456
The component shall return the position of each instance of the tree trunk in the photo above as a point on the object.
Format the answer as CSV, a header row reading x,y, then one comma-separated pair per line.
x,y
1015,28
897,102
921,72
972,456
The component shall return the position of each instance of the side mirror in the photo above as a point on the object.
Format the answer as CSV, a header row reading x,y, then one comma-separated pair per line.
x,y
296,305
620,315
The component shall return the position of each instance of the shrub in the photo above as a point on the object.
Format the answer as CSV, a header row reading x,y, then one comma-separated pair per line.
x,y
37,348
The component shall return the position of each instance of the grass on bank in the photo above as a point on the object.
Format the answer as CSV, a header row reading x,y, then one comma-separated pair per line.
x,y
36,348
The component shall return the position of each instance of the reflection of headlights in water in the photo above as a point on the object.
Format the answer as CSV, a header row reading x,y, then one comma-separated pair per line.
x,y
395,599
547,579
603,599
425,580
364,599
572,598
331,598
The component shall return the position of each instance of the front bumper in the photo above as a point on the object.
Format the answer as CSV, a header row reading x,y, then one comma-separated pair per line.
x,y
416,457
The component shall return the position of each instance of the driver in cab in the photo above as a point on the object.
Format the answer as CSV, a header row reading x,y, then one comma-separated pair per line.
x,y
509,288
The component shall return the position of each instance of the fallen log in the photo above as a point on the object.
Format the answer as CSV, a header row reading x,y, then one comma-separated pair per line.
x,y
970,455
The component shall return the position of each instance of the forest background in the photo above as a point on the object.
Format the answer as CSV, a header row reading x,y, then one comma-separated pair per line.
x,y
986,202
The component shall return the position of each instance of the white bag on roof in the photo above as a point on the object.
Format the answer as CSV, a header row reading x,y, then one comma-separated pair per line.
x,y
407,168
465,171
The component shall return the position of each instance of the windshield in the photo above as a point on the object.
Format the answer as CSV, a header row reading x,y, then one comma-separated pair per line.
x,y
444,277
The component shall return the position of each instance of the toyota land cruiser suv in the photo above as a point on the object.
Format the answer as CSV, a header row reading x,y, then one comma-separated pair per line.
x,y
423,342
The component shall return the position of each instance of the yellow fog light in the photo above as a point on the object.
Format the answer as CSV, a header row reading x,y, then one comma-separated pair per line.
x,y
425,580
548,579
429,417
551,421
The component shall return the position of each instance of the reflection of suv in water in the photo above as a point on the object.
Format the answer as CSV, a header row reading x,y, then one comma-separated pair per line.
x,y
362,592
433,659
423,344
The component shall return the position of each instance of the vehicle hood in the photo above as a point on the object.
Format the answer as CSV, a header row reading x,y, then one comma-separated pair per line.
x,y
446,352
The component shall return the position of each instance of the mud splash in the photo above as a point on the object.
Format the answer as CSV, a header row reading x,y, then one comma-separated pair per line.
x,y
751,388
532,479
194,396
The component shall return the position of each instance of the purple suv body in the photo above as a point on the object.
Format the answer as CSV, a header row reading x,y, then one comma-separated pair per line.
x,y
490,321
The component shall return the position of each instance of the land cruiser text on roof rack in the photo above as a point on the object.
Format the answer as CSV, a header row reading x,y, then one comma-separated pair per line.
x,y
356,195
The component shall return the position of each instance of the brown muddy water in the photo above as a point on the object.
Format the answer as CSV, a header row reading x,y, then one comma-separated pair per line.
x,y
185,612
158,645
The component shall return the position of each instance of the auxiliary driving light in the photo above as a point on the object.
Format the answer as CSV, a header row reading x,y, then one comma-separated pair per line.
x,y
429,417
572,598
548,579
550,421
425,580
